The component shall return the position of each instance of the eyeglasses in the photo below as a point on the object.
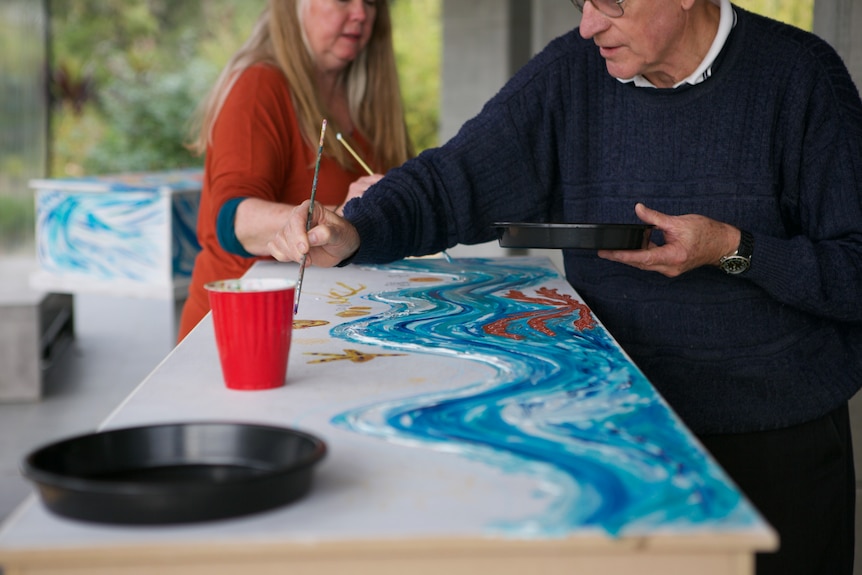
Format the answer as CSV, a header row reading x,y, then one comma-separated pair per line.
x,y
610,8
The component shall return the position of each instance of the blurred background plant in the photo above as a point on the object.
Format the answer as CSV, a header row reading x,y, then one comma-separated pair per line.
x,y
128,74
800,13
125,75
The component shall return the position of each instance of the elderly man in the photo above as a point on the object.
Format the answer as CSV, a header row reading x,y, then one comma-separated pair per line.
x,y
740,139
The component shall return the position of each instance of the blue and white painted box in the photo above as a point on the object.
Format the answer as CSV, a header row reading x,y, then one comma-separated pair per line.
x,y
131,234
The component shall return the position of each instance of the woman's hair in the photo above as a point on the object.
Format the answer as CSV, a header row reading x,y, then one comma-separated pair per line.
x,y
373,91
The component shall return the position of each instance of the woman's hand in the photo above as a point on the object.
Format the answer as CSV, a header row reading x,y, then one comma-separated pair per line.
x,y
691,241
331,239
357,189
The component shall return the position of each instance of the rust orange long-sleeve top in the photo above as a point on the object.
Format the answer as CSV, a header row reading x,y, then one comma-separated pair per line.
x,y
256,151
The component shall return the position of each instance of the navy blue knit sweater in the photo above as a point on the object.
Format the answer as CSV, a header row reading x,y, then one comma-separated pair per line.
x,y
772,143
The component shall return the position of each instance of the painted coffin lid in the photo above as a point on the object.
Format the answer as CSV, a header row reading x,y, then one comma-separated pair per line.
x,y
566,404
124,234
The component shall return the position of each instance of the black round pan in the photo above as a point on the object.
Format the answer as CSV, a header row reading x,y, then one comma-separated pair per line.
x,y
574,236
174,473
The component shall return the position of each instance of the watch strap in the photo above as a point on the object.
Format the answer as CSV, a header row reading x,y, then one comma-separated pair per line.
x,y
739,261
746,245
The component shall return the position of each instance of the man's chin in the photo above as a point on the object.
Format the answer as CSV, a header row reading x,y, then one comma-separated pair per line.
x,y
619,72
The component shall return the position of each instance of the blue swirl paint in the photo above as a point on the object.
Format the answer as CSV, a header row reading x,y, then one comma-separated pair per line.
x,y
120,233
568,408
105,236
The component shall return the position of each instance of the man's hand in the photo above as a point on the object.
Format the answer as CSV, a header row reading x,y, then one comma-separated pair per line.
x,y
331,239
691,241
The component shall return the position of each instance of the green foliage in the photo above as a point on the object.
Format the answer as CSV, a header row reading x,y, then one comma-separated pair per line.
x,y
88,34
417,31
148,114
133,73
23,119
228,25
799,13
135,70
73,135
16,222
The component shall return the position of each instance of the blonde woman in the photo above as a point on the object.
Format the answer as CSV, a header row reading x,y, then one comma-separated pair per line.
x,y
305,60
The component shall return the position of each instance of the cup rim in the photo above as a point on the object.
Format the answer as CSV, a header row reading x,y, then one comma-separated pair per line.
x,y
250,285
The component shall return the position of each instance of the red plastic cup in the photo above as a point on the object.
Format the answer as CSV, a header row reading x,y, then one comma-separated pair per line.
x,y
253,320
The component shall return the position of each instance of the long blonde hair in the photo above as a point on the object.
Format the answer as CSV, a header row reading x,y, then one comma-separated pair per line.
x,y
373,92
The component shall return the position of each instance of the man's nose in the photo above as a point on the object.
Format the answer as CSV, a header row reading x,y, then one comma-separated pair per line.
x,y
592,21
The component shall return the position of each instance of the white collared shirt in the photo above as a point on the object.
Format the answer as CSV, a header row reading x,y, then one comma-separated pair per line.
x,y
727,21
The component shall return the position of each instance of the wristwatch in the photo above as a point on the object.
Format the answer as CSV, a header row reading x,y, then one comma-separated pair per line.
x,y
740,260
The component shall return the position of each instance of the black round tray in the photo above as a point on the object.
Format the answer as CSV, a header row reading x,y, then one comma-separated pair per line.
x,y
174,473
574,236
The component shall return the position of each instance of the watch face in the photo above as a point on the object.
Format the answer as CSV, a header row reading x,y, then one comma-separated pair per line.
x,y
735,264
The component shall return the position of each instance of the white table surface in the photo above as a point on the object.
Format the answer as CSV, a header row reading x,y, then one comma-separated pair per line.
x,y
372,495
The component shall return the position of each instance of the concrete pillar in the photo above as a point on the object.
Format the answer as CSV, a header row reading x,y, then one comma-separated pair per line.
x,y
484,43
551,18
478,39
839,22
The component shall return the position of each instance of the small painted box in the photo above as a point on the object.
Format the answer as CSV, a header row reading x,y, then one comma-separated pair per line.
x,y
130,234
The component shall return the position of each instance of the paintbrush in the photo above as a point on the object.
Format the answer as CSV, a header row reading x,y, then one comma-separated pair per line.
x,y
353,153
310,215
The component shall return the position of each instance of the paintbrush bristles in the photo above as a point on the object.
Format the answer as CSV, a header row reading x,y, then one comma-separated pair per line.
x,y
353,153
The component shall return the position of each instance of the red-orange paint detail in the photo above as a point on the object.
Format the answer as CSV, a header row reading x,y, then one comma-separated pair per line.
x,y
563,305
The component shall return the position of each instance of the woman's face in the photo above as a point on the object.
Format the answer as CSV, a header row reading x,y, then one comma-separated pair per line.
x,y
338,30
